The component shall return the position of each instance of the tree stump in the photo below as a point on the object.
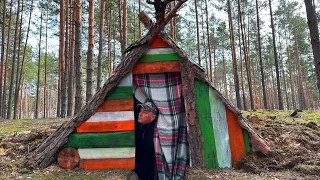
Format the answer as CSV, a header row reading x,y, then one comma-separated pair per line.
x,y
68,158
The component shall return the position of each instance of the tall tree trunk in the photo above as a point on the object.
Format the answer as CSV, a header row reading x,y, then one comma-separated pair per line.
x,y
197,26
3,112
89,89
260,59
284,82
3,28
13,62
61,56
276,60
45,68
245,107
78,55
234,58
36,112
208,36
139,9
124,25
225,85
17,86
101,40
64,62
246,58
314,36
293,101
302,102
109,42
71,64
120,25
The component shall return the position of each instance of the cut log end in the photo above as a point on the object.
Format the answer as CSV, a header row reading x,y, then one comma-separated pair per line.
x,y
68,158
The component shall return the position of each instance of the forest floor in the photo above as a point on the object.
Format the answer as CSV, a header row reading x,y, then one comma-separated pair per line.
x,y
295,144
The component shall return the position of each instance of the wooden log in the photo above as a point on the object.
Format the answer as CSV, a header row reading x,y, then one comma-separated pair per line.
x,y
124,125
122,92
220,130
237,145
204,116
104,153
156,67
116,105
94,164
159,57
194,132
68,158
101,140
111,116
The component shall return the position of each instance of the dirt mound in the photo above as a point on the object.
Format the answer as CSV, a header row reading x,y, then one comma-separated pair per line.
x,y
18,148
294,147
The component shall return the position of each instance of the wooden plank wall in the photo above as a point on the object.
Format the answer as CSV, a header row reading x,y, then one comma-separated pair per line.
x,y
224,141
204,117
106,139
220,129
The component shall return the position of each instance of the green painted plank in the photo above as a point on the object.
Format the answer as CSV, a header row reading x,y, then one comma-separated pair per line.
x,y
246,140
159,57
220,129
101,140
123,92
204,118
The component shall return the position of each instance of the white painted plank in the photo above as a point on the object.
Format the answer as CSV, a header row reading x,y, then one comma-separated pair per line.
x,y
111,116
101,153
220,130
160,51
127,80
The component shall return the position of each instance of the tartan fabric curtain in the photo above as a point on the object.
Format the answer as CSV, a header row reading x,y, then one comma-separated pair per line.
x,y
170,135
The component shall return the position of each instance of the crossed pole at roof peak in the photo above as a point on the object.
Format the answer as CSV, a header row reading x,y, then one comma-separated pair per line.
x,y
160,7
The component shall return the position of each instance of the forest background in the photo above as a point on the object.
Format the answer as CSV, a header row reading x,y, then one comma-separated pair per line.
x,y
56,54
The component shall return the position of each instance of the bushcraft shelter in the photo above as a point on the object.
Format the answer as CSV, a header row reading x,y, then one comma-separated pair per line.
x,y
102,134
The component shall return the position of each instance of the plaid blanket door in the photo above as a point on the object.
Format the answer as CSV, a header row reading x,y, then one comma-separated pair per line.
x,y
170,137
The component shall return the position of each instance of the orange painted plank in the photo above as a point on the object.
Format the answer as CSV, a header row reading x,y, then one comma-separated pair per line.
x,y
116,105
123,125
158,42
156,67
68,158
92,164
237,147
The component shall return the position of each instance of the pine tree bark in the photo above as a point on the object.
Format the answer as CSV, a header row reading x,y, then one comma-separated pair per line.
x,y
4,97
71,63
225,85
78,55
265,104
293,101
64,62
13,62
89,87
17,85
276,60
197,28
314,36
101,34
124,25
208,40
245,107
302,101
36,112
234,58
3,28
45,68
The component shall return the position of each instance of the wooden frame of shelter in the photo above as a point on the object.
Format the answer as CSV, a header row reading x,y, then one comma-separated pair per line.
x,y
194,85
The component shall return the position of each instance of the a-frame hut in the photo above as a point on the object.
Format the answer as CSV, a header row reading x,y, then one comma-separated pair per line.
x,y
101,135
